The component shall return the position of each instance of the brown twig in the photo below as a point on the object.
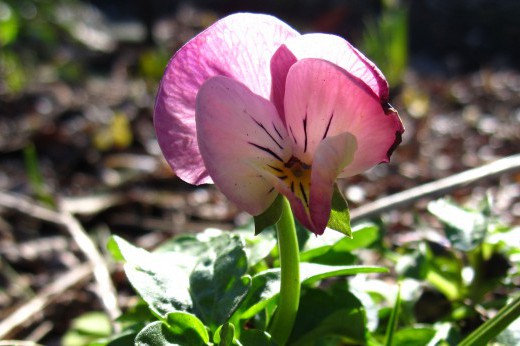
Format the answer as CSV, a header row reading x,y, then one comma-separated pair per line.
x,y
436,188
106,291
29,207
43,299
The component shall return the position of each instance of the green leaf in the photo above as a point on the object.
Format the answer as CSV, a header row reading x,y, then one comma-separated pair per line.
x,y
445,272
339,219
123,339
312,272
113,248
258,246
494,326
161,279
266,285
225,335
254,337
136,314
218,283
14,72
35,176
333,248
87,328
413,336
159,334
194,245
385,41
270,216
465,229
8,24
324,314
510,335
414,265
188,326
363,236
445,334
393,322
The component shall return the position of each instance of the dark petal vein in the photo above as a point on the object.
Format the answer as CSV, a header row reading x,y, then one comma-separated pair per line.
x,y
267,150
305,133
292,134
267,132
275,168
302,190
328,126
277,132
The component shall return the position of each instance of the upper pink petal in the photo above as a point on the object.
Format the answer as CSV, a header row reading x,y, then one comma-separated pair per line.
x,y
240,136
239,46
328,47
323,100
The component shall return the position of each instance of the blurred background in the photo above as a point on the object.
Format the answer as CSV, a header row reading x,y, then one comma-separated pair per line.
x,y
77,86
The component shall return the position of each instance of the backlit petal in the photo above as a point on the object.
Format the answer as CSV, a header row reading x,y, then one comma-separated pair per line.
x,y
323,100
238,46
332,156
240,135
327,47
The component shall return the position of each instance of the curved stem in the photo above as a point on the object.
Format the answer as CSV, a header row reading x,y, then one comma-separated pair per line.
x,y
289,297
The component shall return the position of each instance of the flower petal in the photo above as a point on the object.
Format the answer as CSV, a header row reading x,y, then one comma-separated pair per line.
x,y
323,100
238,46
332,156
240,135
328,47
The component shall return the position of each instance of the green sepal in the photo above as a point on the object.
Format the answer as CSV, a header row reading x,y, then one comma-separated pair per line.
x,y
339,219
270,216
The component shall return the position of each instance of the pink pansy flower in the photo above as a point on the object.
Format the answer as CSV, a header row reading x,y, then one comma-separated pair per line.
x,y
258,109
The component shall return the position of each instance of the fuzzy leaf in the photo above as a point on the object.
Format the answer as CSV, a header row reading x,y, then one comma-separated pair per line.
x,y
339,313
182,329
465,229
161,279
187,325
218,283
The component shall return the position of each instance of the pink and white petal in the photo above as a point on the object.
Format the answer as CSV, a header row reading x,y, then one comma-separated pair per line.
x,y
377,137
332,156
327,47
239,46
297,207
313,89
239,135
323,100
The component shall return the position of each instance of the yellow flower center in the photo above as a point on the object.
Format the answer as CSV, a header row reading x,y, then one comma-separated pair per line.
x,y
297,176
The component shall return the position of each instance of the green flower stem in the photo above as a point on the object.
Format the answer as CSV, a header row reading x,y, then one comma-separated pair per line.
x,y
289,298
494,326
